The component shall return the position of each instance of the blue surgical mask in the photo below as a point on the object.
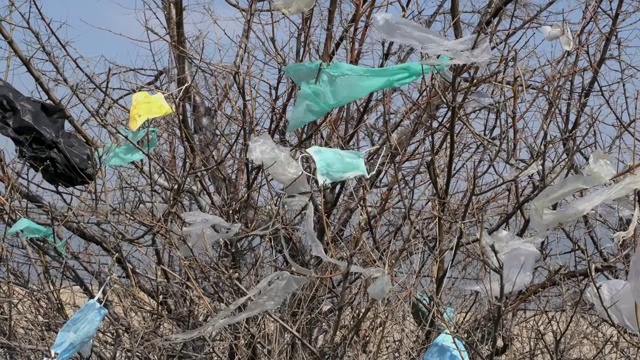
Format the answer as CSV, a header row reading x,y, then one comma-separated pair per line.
x,y
334,165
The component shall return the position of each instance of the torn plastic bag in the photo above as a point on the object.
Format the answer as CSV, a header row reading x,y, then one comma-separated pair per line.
x,y
37,130
340,83
289,7
518,257
478,100
120,155
204,230
406,32
32,230
622,235
268,295
446,347
278,162
378,290
77,334
559,32
145,106
617,301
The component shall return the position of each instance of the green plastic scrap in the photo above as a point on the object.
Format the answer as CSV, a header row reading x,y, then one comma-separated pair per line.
x,y
30,230
340,83
121,155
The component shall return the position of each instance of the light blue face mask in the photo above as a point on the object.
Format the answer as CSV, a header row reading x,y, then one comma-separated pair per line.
x,y
334,165
77,334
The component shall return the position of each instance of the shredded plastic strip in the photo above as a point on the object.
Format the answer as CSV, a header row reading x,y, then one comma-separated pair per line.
x,y
406,32
212,228
268,295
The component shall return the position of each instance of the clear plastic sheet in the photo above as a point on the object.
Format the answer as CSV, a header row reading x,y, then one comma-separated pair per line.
x,y
518,257
289,7
204,230
616,299
622,235
406,32
278,162
559,32
268,295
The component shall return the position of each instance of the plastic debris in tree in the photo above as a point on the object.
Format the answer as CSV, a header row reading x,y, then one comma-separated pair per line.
x,y
37,130
145,106
406,32
30,230
205,229
615,300
559,32
289,7
77,334
421,308
478,100
622,235
268,295
338,84
278,162
599,171
126,153
334,165
516,258
446,347
378,290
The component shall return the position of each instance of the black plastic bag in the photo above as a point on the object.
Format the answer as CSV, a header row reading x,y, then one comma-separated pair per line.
x,y
37,130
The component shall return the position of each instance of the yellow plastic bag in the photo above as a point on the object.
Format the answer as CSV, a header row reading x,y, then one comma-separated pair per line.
x,y
145,106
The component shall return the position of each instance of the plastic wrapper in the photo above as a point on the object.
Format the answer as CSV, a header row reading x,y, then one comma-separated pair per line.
x,y
30,230
205,229
37,130
518,257
289,7
278,162
145,106
446,347
338,84
559,32
77,334
120,155
268,295
406,32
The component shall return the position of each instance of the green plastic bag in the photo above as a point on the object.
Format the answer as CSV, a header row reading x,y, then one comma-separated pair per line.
x,y
30,230
341,83
121,155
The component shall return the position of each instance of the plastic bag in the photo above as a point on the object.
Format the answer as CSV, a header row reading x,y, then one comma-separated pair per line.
x,y
559,32
278,162
518,257
340,83
37,130
212,227
145,106
31,230
617,300
268,295
289,7
78,332
121,155
406,32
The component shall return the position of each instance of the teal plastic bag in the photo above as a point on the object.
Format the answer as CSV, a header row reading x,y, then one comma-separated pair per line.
x,y
121,155
341,83
31,230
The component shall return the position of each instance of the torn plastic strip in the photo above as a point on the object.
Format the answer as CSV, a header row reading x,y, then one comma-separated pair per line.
x,y
615,302
213,228
406,32
30,230
517,256
278,162
120,155
77,334
268,295
622,235
289,7
378,290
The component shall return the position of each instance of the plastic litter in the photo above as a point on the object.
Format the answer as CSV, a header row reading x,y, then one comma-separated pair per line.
x,y
559,32
145,106
446,347
289,7
478,100
380,287
622,235
211,227
278,162
334,165
517,256
268,295
121,155
617,300
31,230
77,334
340,83
406,32
445,319
37,130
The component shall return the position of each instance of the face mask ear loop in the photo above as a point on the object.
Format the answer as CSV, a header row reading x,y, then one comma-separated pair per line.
x,y
384,149
302,167
101,290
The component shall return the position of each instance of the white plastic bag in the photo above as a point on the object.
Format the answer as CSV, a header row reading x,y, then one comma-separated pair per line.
x,y
616,298
289,7
203,230
406,32
559,32
278,162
